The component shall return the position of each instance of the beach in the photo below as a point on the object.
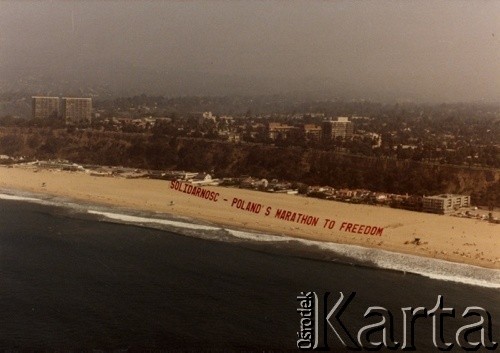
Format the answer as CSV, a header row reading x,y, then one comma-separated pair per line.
x,y
454,239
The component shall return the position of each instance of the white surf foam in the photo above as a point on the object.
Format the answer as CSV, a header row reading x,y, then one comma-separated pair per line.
x,y
18,198
440,269
142,220
257,236
428,267
52,201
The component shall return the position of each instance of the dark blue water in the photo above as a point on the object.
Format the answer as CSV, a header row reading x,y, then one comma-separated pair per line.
x,y
68,281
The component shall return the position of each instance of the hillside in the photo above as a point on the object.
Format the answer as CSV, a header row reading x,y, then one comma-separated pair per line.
x,y
224,159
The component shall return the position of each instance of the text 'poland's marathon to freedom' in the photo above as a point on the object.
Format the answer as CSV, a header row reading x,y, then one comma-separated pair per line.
x,y
278,213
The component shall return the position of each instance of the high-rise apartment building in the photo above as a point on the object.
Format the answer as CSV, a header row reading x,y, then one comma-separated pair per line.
x,y
76,110
44,107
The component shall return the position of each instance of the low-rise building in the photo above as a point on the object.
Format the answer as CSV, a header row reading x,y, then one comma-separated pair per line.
x,y
282,130
203,179
445,203
332,129
312,132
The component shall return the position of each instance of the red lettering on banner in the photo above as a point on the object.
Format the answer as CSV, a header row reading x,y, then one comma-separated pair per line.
x,y
361,229
195,191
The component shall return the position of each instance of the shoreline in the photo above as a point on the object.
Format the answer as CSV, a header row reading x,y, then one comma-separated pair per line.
x,y
351,255
441,237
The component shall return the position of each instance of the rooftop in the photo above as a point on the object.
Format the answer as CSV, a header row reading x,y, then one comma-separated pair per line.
x,y
445,196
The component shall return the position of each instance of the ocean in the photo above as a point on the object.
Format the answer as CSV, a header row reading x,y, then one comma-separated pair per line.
x,y
84,277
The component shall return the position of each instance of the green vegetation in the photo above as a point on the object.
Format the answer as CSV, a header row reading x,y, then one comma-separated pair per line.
x,y
298,164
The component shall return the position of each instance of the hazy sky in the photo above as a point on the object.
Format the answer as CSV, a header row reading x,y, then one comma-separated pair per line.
x,y
425,50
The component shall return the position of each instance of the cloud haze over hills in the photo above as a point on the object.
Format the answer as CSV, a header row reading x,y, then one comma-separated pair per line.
x,y
381,50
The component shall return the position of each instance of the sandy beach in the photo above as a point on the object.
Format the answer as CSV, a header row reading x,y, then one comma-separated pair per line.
x,y
449,238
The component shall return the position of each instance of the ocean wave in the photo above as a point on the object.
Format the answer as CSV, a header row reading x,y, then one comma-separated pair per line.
x,y
18,198
44,200
142,220
428,267
440,269
406,263
257,236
